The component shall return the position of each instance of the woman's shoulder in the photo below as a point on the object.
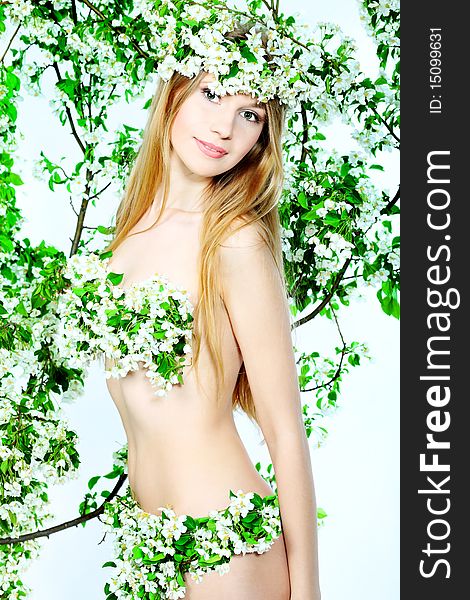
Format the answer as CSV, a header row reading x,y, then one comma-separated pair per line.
x,y
243,233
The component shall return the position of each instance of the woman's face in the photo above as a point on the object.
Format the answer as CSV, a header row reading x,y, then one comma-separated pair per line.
x,y
211,134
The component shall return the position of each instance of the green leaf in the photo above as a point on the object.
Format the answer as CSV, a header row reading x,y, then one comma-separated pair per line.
x,y
179,578
115,278
178,557
302,198
234,70
15,179
248,54
110,563
395,312
154,559
190,523
332,219
104,230
79,291
213,559
112,474
21,309
93,481
6,243
251,516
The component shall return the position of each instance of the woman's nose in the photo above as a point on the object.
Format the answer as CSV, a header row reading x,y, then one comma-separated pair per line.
x,y
223,125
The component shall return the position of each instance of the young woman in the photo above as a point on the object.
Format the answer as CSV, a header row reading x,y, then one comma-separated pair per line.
x,y
201,209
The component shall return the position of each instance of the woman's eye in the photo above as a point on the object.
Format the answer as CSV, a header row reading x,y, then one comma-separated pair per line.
x,y
210,95
248,113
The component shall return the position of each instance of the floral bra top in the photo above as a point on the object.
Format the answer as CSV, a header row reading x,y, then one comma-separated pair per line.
x,y
149,322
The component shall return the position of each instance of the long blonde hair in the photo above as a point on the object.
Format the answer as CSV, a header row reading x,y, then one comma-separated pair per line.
x,y
247,193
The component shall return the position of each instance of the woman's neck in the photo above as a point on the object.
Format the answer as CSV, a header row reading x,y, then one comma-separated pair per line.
x,y
186,188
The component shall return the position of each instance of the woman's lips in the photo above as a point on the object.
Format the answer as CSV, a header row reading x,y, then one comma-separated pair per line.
x,y
210,150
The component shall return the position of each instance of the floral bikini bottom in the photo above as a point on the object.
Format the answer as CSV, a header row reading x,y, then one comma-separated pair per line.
x,y
153,552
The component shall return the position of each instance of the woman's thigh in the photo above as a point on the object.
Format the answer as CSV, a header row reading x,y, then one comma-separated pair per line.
x,y
251,577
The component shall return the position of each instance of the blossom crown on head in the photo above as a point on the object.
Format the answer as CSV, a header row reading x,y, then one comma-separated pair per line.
x,y
254,51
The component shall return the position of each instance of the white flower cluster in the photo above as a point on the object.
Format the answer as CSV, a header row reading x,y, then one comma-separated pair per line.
x,y
189,38
148,322
31,427
386,29
12,564
155,551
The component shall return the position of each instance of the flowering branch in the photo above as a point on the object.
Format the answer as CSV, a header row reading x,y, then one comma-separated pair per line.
x,y
326,299
340,275
68,524
250,16
103,17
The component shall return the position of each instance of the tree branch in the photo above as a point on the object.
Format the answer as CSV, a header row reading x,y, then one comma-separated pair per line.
x,y
69,114
74,12
68,524
73,207
100,191
386,124
303,112
338,370
391,203
326,299
81,216
266,3
10,43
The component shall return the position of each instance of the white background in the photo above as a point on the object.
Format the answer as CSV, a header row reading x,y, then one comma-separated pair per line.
x,y
356,472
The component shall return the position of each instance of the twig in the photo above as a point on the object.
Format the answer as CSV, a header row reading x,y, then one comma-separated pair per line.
x,y
10,42
103,17
326,299
73,207
392,202
100,191
69,114
268,6
386,124
338,370
81,216
68,524
249,16
74,12
303,112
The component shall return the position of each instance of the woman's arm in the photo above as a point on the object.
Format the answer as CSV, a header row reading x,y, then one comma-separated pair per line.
x,y
259,314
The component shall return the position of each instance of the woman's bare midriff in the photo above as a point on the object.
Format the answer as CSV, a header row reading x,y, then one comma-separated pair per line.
x,y
184,450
